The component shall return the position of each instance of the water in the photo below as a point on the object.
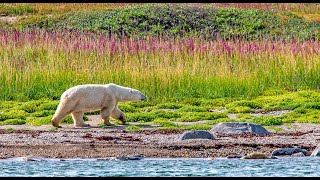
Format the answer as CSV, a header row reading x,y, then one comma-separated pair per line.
x,y
293,166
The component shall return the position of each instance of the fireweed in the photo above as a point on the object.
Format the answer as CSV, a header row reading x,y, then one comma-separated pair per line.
x,y
38,63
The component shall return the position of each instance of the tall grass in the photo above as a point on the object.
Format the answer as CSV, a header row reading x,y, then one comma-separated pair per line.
x,y
38,63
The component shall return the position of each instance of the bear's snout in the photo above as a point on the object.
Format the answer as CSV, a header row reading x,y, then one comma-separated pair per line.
x,y
143,97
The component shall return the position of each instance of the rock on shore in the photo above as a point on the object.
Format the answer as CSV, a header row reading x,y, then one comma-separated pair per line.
x,y
196,135
289,151
239,128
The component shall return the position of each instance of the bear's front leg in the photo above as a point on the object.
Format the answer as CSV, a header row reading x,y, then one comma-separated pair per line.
x,y
105,115
118,114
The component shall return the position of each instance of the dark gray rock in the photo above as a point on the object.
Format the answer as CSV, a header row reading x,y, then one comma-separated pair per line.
x,y
196,135
316,151
239,128
288,151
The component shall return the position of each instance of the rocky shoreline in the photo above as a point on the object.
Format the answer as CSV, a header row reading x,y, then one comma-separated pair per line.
x,y
70,142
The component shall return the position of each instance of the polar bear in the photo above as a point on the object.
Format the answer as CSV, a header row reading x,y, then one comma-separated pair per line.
x,y
91,97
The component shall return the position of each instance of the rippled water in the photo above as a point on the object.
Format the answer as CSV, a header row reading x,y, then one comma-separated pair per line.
x,y
293,166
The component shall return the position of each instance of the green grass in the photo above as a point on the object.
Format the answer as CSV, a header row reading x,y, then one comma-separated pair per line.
x,y
164,114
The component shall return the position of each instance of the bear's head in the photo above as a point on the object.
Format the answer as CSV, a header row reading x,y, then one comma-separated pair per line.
x,y
135,95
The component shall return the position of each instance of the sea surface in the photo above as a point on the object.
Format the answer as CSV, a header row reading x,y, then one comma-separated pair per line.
x,y
288,166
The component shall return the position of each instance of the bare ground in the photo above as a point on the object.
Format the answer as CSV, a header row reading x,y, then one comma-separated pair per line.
x,y
96,142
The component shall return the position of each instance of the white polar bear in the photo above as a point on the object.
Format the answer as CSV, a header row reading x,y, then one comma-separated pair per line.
x,y
91,97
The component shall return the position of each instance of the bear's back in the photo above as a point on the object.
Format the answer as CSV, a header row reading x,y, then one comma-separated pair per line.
x,y
87,90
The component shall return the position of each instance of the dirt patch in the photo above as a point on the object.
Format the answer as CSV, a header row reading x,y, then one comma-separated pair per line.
x,y
103,143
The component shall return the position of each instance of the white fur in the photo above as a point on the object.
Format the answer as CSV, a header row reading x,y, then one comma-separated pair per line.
x,y
92,97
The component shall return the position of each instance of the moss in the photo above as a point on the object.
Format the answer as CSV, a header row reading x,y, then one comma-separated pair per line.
x,y
282,106
274,128
163,122
144,117
13,114
9,104
244,116
198,127
312,105
92,113
12,122
141,104
35,121
240,109
9,129
245,103
127,108
216,121
169,106
166,114
266,120
192,101
133,128
69,120
302,115
42,113
31,106
53,129
149,116
49,105
117,122
192,109
198,116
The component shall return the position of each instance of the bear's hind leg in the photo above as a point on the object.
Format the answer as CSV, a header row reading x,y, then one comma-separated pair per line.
x,y
105,115
78,119
118,114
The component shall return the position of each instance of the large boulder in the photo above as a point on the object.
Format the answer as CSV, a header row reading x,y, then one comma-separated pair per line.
x,y
316,151
196,135
288,151
239,128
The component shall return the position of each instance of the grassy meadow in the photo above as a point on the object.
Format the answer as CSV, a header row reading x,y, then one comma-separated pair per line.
x,y
219,61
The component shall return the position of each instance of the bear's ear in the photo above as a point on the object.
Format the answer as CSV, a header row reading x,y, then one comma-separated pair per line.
x,y
130,91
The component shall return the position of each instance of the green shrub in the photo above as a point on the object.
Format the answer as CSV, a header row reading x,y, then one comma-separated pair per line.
x,y
184,20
